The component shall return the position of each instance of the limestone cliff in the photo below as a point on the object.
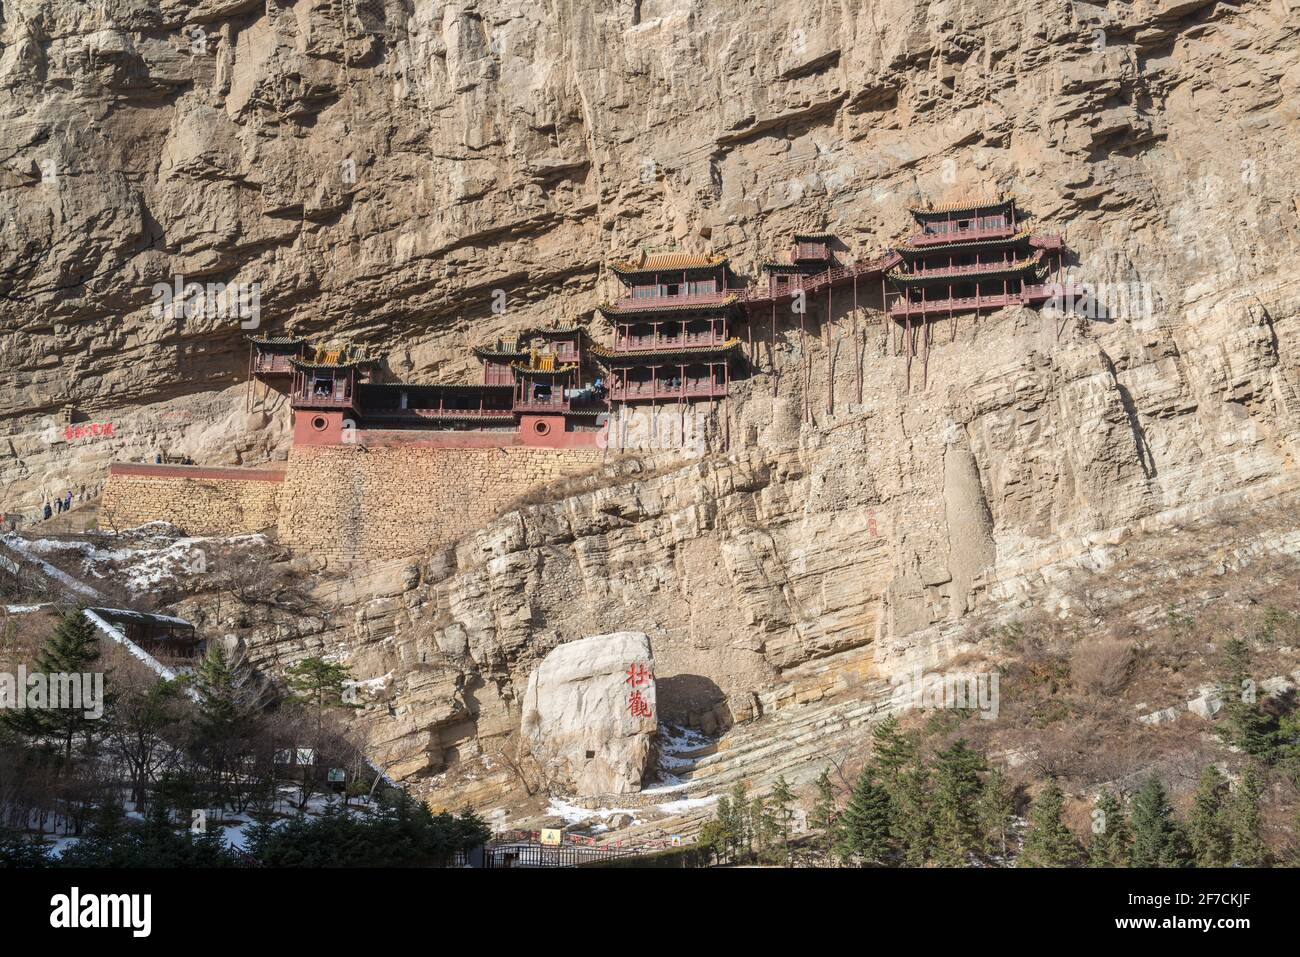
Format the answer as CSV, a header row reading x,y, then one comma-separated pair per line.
x,y
380,168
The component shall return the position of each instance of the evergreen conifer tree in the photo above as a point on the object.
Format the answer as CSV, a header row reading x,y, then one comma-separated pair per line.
x,y
957,834
912,819
864,829
1158,841
1248,848
1208,830
73,649
995,809
781,805
1110,843
1049,842
825,811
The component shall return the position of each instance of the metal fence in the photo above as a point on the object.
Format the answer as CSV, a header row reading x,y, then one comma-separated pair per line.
x,y
520,854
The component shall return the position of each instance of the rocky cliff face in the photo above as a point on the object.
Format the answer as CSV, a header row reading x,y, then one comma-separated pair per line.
x,y
380,168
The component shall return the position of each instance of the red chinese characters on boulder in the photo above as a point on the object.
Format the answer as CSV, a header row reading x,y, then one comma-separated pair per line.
x,y
637,705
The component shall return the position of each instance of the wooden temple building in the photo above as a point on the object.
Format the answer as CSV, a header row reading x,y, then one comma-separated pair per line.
x,y
542,388
972,257
673,338
969,256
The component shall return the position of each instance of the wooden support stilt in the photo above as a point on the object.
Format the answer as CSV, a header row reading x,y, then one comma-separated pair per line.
x,y
857,345
803,359
925,361
771,351
907,335
830,356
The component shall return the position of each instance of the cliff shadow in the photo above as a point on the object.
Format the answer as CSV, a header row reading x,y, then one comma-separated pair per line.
x,y
693,701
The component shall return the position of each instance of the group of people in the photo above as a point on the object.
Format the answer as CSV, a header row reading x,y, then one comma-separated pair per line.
x,y
60,505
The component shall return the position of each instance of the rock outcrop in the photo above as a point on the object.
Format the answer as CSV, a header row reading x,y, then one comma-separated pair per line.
x,y
589,713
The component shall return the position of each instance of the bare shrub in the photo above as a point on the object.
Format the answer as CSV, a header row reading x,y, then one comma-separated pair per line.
x,y
1103,666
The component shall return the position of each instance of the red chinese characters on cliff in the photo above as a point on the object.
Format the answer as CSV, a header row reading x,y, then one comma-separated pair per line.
x,y
95,429
637,676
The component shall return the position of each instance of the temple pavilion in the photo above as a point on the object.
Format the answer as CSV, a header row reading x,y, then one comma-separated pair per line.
x,y
971,256
672,329
542,384
809,255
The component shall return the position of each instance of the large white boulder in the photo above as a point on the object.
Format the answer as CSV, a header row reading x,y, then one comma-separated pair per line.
x,y
589,713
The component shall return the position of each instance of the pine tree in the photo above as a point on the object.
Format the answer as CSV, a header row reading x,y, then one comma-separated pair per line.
x,y
995,809
825,811
1049,842
956,814
864,829
318,683
72,650
737,821
912,822
1110,843
1208,830
1248,848
781,803
892,752
1158,841
1246,725
224,721
764,826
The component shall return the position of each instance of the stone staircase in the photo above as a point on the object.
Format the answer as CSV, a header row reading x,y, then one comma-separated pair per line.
x,y
796,741
78,520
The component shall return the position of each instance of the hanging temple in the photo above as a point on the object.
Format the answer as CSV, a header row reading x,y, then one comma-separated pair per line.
x,y
675,335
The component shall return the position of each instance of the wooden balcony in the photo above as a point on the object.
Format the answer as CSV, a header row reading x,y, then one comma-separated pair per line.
x,y
645,343
658,302
554,406
332,401
940,272
272,364
957,304
961,235
646,391
764,292
486,414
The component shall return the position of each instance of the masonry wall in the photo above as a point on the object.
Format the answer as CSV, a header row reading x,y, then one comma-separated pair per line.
x,y
353,502
202,501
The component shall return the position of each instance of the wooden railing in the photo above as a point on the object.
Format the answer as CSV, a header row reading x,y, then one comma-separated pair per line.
x,y
267,364
633,343
655,302
332,401
962,303
940,271
467,413
961,235
874,268
542,405
646,390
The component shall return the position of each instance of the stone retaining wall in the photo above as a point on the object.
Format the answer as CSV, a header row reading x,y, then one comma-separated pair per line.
x,y
345,502
202,501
